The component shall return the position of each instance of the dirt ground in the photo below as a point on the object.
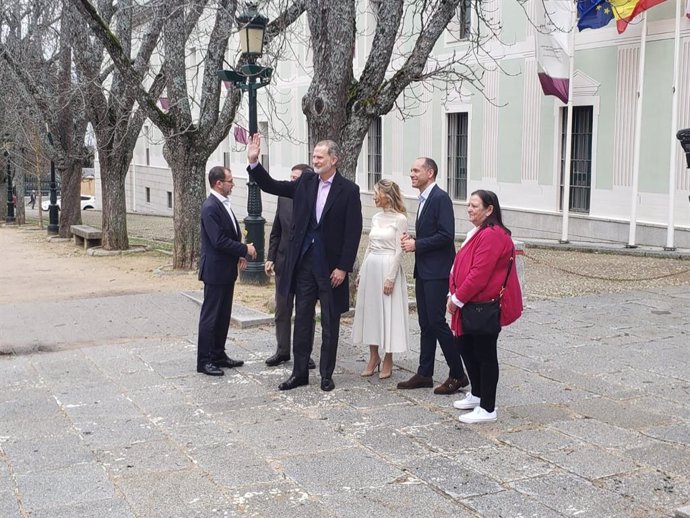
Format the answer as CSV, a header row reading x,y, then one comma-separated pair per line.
x,y
33,269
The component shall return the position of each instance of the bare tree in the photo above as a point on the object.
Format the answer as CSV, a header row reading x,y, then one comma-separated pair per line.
x,y
37,47
111,103
340,106
21,127
195,123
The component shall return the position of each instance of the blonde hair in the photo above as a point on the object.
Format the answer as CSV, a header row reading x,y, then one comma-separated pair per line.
x,y
391,190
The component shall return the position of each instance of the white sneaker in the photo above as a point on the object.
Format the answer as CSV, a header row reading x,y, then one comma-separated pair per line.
x,y
478,415
467,403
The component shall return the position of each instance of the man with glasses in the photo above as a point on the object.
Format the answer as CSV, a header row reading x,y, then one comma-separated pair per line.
x,y
222,251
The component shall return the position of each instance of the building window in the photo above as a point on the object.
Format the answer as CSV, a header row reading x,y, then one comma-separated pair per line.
x,y
460,25
263,131
169,200
226,159
374,153
148,195
457,155
581,160
146,142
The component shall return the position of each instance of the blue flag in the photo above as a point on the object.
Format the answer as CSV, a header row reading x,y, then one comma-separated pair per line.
x,y
593,14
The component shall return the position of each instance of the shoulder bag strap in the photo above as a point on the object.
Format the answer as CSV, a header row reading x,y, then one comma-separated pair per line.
x,y
510,267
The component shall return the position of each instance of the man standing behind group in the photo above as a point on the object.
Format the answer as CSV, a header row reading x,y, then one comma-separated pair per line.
x,y
327,227
222,251
434,250
275,263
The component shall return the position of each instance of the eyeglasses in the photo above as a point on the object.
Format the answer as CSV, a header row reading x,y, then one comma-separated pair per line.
x,y
228,181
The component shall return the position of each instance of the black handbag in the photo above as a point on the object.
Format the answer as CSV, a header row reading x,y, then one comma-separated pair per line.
x,y
484,318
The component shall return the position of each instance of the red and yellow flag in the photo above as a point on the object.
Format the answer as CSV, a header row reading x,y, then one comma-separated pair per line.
x,y
626,10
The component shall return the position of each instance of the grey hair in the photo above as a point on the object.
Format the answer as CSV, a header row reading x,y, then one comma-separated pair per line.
x,y
332,147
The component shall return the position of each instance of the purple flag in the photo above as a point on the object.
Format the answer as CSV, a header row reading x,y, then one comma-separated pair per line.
x,y
241,135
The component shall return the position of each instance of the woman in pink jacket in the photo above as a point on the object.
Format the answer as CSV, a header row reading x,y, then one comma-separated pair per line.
x,y
479,271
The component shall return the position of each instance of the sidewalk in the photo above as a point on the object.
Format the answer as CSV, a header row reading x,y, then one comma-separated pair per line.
x,y
108,419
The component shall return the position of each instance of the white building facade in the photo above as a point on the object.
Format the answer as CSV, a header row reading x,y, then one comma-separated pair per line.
x,y
508,137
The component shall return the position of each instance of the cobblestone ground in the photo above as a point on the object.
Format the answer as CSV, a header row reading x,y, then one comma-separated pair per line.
x,y
103,415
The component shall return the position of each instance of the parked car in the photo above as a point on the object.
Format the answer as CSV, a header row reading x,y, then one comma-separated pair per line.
x,y
87,202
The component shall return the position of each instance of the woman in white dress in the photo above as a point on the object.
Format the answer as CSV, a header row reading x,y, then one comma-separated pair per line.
x,y
381,313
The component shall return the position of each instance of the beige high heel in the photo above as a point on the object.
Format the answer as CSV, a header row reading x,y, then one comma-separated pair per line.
x,y
366,372
383,374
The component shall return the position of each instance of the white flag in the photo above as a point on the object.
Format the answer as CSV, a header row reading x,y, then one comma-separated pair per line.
x,y
554,20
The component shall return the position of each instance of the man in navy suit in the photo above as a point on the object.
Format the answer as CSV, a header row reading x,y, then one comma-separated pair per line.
x,y
434,251
326,229
222,251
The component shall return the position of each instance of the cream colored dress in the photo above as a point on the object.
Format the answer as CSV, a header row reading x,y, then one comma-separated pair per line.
x,y
383,319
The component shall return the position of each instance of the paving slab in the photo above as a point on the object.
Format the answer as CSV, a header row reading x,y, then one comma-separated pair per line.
x,y
403,497
76,484
511,503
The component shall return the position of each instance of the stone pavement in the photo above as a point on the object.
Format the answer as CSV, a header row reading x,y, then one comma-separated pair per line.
x,y
102,415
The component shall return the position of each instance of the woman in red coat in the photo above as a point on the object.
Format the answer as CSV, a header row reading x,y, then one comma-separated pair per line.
x,y
479,271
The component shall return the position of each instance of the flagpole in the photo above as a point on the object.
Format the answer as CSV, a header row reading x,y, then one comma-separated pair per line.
x,y
568,134
638,132
674,127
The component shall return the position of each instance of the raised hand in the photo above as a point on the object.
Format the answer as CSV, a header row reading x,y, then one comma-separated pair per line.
x,y
254,148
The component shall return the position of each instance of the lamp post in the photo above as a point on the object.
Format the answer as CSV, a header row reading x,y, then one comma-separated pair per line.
x,y
10,203
684,137
53,226
250,77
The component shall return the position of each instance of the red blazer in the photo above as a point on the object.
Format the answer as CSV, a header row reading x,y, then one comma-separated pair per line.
x,y
478,273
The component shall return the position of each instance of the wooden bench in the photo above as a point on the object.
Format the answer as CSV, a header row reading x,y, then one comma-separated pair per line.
x,y
86,236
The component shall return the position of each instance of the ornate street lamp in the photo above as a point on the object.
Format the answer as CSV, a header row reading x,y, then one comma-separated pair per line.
x,y
10,204
684,137
53,225
251,77
7,145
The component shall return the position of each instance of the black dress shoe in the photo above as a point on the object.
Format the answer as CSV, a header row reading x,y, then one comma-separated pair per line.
x,y
292,383
327,384
228,363
277,359
311,364
210,369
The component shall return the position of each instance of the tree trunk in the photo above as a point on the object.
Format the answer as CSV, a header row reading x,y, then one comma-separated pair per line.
x,y
70,204
189,183
326,103
3,188
114,215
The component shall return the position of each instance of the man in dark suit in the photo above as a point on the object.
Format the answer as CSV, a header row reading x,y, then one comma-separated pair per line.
x,y
326,229
222,251
275,264
434,249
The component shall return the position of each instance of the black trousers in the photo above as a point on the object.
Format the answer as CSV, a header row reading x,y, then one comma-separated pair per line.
x,y
481,362
214,322
431,311
311,285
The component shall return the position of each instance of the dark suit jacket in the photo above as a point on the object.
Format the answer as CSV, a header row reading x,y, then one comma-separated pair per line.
x,y
435,235
221,246
280,235
341,224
